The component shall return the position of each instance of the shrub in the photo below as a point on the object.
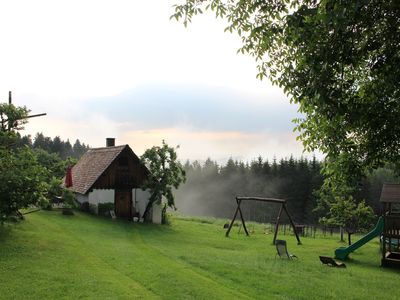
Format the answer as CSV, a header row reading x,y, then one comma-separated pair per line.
x,y
93,209
69,198
104,208
85,207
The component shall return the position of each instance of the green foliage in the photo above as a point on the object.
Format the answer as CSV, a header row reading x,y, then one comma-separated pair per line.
x,y
347,214
51,161
24,181
69,199
93,209
338,60
23,178
166,173
12,118
104,208
57,146
29,176
54,188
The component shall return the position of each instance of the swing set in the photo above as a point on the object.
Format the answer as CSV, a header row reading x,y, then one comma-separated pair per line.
x,y
282,202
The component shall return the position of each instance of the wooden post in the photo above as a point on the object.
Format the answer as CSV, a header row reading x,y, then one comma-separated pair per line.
x,y
233,220
273,200
277,223
241,216
291,222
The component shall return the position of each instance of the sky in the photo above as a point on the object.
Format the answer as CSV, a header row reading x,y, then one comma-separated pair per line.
x,y
123,69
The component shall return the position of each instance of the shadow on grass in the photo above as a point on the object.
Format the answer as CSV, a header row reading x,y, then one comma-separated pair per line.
x,y
370,264
5,231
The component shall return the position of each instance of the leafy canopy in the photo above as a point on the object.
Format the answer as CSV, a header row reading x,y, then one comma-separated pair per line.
x,y
24,180
12,118
345,213
338,60
166,173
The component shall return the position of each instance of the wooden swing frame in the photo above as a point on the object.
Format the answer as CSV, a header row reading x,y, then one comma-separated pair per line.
x,y
282,202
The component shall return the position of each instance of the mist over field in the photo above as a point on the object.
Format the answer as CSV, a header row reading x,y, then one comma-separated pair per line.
x,y
217,198
210,189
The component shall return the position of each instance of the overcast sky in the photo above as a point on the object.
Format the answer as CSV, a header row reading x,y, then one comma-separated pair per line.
x,y
123,69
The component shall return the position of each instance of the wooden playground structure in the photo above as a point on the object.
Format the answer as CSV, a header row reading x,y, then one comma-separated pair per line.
x,y
282,203
390,198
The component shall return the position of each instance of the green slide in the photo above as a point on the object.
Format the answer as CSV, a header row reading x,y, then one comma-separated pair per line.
x,y
343,252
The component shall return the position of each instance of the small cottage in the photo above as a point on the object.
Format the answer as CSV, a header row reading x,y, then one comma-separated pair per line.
x,y
113,174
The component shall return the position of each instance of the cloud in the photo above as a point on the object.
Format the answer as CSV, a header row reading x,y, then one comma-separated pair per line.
x,y
219,145
205,121
199,107
186,85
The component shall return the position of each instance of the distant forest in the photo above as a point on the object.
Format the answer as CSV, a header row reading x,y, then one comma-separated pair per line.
x,y
56,145
54,154
210,189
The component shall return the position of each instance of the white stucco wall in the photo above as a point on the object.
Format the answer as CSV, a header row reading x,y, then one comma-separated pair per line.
x,y
157,214
101,196
81,198
140,199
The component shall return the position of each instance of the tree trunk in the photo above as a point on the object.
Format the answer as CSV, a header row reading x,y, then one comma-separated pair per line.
x,y
146,211
341,234
152,199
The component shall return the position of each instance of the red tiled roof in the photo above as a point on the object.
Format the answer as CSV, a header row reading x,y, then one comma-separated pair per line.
x,y
91,165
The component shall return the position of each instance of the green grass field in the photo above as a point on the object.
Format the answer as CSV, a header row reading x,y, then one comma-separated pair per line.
x,y
51,256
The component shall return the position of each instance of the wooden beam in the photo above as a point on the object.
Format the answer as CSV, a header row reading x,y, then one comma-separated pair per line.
x,y
37,115
274,200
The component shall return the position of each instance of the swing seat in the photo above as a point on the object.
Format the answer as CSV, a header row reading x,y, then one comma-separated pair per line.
x,y
331,262
281,249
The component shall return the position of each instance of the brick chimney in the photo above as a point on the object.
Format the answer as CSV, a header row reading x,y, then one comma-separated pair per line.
x,y
110,142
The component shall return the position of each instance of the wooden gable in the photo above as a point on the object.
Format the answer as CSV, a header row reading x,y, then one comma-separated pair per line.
x,y
125,172
115,167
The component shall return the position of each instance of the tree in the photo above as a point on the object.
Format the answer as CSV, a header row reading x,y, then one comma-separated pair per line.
x,y
57,145
23,178
350,216
12,118
42,142
166,173
24,181
338,60
67,150
79,149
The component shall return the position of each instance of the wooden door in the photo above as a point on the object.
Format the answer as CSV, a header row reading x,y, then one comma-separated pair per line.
x,y
123,203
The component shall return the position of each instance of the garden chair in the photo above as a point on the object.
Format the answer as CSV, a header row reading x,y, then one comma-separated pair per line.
x,y
331,262
281,250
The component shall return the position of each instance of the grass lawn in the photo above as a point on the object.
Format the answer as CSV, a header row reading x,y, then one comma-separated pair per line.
x,y
54,256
